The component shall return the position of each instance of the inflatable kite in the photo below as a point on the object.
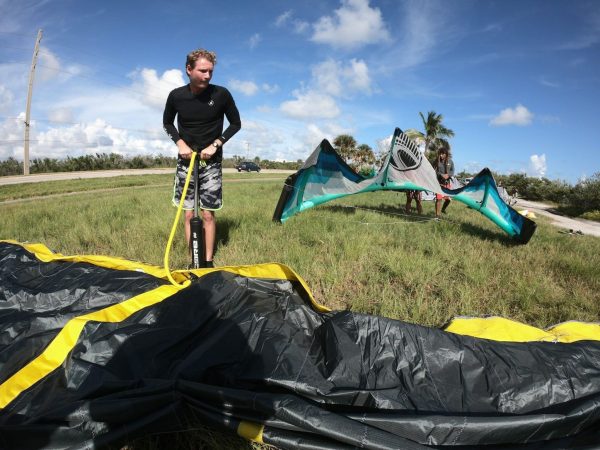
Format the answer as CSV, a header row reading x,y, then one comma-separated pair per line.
x,y
97,351
325,176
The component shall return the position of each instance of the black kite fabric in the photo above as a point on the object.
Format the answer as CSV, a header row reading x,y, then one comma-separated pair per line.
x,y
100,351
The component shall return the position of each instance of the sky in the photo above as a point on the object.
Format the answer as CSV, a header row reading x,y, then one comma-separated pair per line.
x,y
518,81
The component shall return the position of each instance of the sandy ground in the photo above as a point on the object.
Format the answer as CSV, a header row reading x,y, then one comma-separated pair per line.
x,y
587,227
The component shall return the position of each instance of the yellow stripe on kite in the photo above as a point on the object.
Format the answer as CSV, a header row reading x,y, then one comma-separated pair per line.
x,y
266,271
251,431
506,330
57,352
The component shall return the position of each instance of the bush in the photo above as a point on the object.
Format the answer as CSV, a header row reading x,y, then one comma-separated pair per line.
x,y
592,215
99,161
585,196
11,167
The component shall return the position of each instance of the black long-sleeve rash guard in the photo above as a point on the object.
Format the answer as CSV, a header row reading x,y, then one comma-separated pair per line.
x,y
200,118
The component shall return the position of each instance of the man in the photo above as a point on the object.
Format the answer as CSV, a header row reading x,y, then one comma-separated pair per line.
x,y
200,108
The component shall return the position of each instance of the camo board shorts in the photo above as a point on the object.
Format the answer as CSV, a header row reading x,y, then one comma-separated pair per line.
x,y
210,186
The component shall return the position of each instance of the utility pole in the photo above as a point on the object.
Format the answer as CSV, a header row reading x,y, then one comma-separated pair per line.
x,y
28,109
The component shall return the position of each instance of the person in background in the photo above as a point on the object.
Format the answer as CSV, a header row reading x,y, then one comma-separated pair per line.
x,y
444,169
416,196
201,108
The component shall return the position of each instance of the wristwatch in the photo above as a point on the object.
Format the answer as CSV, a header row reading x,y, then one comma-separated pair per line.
x,y
215,145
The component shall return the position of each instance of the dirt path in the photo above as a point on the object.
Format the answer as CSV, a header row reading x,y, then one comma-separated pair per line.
x,y
587,227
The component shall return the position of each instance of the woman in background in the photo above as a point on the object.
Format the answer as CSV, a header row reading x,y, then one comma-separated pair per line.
x,y
445,170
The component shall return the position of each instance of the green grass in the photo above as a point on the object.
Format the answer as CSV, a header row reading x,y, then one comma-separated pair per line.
x,y
360,253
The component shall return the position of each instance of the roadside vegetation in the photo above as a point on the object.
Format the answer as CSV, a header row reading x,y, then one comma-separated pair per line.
x,y
113,161
360,253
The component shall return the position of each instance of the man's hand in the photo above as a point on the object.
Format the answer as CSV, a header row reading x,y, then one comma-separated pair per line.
x,y
184,150
209,151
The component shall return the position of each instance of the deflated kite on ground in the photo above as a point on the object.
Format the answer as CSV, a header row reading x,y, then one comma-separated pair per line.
x,y
97,350
325,176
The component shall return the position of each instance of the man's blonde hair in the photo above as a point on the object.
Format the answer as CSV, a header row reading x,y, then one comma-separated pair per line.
x,y
200,53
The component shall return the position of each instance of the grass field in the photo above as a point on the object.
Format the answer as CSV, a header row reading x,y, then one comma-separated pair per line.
x,y
361,253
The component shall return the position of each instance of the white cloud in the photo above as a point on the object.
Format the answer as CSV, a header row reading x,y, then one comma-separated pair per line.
x,y
254,40
95,137
473,166
310,105
11,137
424,31
314,134
14,77
298,26
545,82
270,88
519,115
421,34
327,77
50,67
6,99
354,25
537,165
60,115
331,79
152,89
248,88
383,145
283,18
280,141
337,79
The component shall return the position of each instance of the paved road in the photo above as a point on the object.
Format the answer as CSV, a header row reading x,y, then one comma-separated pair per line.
x,y
587,227
38,178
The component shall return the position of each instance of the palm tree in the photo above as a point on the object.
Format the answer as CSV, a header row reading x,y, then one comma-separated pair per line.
x,y
345,146
364,155
364,159
435,133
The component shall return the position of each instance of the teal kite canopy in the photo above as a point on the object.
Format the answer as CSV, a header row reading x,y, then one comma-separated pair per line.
x,y
325,176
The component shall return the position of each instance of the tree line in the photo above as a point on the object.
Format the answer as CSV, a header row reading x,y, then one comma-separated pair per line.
x,y
112,161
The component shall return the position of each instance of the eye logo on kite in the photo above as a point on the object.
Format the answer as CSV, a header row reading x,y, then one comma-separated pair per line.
x,y
405,154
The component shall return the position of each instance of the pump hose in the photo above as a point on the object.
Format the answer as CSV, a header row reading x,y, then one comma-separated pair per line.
x,y
176,221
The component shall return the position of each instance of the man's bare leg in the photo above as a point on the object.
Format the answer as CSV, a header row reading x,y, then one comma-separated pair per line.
x,y
210,232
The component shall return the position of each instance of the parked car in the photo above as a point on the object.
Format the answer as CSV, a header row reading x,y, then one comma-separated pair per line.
x,y
248,166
